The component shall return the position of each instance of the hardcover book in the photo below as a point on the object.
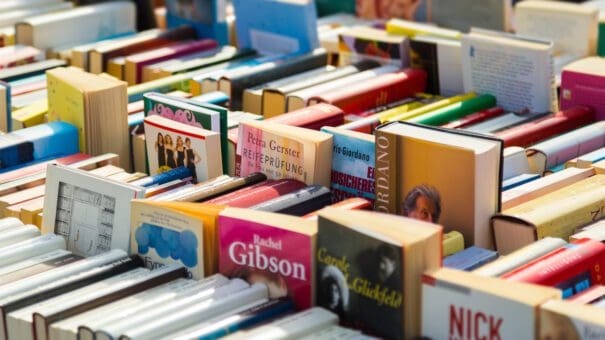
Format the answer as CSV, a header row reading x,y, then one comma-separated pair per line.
x,y
411,184
279,152
92,213
368,268
353,164
270,248
173,145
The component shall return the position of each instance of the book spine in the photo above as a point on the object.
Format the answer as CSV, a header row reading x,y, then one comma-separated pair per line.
x,y
386,178
475,118
456,110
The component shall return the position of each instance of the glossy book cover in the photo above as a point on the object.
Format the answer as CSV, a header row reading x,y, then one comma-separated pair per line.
x,y
257,252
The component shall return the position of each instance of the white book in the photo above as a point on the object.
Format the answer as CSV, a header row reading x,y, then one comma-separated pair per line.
x,y
18,234
568,320
19,323
92,213
518,71
505,264
148,300
11,5
299,99
9,222
197,313
32,261
515,162
14,15
100,20
560,149
290,327
206,296
448,55
30,247
595,231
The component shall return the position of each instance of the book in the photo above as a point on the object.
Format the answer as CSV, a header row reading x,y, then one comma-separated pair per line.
x,y
207,17
462,305
233,85
134,63
354,203
362,42
254,246
296,153
36,264
534,90
590,296
543,186
30,115
572,268
587,160
560,149
29,70
212,190
430,192
298,203
101,20
11,56
453,242
454,111
593,231
18,234
411,29
376,92
258,193
176,232
313,117
513,182
470,258
464,14
385,10
294,32
353,164
556,214
441,59
145,40
553,125
368,268
515,162
570,321
274,96
31,247
96,105
200,149
191,112
579,85
503,121
90,212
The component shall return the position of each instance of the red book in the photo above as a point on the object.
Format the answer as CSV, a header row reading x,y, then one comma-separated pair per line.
x,y
27,88
40,167
475,118
379,91
572,268
134,63
258,193
538,130
589,296
353,203
312,117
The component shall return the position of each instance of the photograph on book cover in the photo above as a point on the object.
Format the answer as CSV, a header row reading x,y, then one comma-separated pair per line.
x,y
173,150
423,203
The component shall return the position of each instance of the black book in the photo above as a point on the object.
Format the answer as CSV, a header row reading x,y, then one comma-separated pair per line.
x,y
298,203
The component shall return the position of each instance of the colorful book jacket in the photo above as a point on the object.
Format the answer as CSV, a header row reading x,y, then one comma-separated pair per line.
x,y
191,112
257,252
372,43
349,283
353,165
200,148
208,17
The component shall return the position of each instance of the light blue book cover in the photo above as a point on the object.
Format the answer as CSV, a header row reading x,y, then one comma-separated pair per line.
x,y
208,17
276,26
353,161
470,258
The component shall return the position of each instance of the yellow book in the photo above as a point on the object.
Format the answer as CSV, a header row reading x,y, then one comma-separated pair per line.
x,y
556,214
30,115
453,242
38,220
571,321
411,29
115,67
396,113
30,211
190,227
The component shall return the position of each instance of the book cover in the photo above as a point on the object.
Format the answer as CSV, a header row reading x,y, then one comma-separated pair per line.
x,y
361,42
170,232
90,212
172,145
192,112
470,258
367,271
442,61
296,153
580,85
292,31
353,165
208,17
270,248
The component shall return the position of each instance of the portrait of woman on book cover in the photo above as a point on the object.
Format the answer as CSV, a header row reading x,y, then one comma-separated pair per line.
x,y
192,157
333,291
423,203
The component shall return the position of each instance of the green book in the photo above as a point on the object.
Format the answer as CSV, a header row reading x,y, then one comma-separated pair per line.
x,y
327,7
455,111
208,116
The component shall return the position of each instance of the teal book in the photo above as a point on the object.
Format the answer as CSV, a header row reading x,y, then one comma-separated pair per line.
x,y
204,115
353,161
327,7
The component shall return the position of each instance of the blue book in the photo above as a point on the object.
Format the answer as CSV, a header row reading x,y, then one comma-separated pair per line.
x,y
353,162
208,17
37,144
276,26
518,180
262,313
164,177
470,258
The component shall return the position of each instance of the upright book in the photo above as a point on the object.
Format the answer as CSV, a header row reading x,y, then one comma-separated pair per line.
x,y
209,18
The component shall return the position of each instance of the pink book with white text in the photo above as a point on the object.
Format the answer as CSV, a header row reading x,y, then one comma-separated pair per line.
x,y
583,83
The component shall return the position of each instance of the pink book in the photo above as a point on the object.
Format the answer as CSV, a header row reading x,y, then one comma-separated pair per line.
x,y
583,83
274,249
